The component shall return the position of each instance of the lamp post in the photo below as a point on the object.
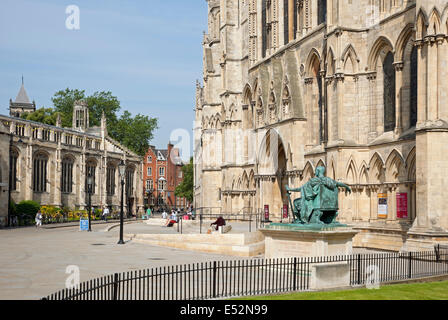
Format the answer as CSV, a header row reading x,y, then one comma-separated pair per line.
x,y
121,171
89,191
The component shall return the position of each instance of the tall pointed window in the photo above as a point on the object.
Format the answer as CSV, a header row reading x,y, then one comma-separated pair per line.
x,y
129,182
389,92
14,156
414,87
67,175
264,26
40,173
322,11
110,180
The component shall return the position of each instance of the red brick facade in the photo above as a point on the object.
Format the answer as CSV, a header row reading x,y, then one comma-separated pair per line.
x,y
162,173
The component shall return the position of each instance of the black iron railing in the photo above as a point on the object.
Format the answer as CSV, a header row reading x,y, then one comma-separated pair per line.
x,y
219,279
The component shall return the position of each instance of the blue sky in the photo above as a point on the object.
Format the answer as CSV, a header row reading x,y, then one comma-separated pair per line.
x,y
148,53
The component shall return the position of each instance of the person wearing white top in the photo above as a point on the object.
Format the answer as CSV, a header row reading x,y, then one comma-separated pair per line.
x,y
38,219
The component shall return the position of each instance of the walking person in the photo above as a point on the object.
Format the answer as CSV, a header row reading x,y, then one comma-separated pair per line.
x,y
38,219
148,213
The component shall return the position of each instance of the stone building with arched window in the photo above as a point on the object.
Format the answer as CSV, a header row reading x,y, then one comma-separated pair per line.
x,y
355,86
50,164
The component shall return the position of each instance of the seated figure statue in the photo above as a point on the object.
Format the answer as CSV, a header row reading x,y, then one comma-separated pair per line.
x,y
319,201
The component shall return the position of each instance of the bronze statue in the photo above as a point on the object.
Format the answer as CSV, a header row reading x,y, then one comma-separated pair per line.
x,y
319,201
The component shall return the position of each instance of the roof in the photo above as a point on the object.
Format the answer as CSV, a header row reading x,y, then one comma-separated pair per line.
x,y
22,96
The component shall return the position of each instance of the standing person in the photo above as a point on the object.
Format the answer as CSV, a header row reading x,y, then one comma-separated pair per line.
x,y
105,213
38,219
148,212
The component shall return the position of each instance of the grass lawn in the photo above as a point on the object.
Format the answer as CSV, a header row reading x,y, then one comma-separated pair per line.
x,y
415,291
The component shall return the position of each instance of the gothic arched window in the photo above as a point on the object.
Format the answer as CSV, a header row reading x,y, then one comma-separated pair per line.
x,y
67,175
14,156
322,11
414,87
110,180
389,92
40,172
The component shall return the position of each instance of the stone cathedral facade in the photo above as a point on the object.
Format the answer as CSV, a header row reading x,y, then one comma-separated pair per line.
x,y
50,164
356,86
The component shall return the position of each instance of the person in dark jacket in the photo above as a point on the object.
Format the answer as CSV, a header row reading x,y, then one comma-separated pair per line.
x,y
219,222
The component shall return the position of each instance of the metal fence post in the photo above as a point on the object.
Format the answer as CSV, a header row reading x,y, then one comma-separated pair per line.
x,y
295,274
214,279
115,287
200,223
410,266
359,269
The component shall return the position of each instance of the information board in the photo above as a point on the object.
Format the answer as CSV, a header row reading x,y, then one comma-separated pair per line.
x,y
402,205
83,225
382,205
285,211
266,212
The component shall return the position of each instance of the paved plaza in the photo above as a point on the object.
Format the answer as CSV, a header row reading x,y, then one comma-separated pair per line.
x,y
34,261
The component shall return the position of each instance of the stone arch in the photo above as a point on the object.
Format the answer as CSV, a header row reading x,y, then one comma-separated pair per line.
x,y
272,163
363,174
308,171
407,90
377,172
245,181
405,36
313,64
331,66
411,165
434,26
252,180
321,163
247,94
395,167
350,172
421,24
379,50
268,151
286,101
445,18
313,98
350,59
331,170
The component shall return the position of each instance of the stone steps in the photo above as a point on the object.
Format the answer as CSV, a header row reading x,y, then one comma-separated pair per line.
x,y
241,244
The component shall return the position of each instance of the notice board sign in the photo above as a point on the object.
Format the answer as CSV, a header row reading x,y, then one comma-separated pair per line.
x,y
382,205
266,212
402,205
285,211
83,225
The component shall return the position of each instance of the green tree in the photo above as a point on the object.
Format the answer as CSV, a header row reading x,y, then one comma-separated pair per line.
x,y
42,115
63,101
186,188
132,132
101,102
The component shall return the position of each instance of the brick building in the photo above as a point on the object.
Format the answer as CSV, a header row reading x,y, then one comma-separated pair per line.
x,y
162,173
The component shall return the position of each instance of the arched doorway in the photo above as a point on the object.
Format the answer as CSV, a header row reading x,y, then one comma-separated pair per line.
x,y
272,166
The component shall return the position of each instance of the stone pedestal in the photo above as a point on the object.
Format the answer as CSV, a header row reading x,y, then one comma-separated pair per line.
x,y
286,242
330,275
